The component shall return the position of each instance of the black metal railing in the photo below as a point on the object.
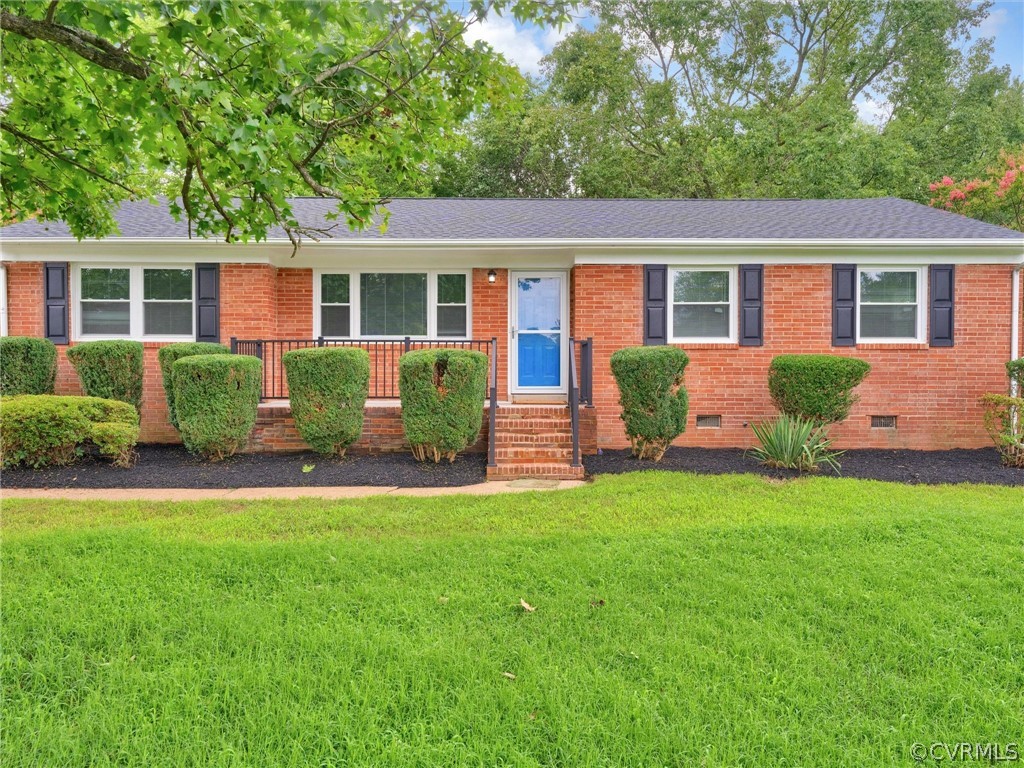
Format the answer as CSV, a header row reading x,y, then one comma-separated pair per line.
x,y
581,388
384,355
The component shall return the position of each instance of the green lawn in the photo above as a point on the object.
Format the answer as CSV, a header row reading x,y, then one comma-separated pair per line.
x,y
679,620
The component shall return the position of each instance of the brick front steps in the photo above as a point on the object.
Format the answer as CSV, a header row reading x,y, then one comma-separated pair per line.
x,y
534,441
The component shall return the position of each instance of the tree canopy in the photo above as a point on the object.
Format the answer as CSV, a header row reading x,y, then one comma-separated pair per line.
x,y
759,98
229,108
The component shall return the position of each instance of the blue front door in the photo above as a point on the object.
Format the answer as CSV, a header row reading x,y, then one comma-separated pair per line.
x,y
538,331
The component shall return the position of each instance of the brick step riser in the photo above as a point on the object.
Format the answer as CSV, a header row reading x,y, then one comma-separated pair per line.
x,y
514,456
547,472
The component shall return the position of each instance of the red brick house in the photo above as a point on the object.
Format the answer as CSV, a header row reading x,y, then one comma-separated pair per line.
x,y
931,299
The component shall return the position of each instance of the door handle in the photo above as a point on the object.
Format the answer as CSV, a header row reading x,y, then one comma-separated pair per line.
x,y
513,331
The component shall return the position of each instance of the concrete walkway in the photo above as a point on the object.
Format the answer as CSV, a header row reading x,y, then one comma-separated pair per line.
x,y
336,492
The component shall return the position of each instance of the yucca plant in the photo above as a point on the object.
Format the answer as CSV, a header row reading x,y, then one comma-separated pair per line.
x,y
791,442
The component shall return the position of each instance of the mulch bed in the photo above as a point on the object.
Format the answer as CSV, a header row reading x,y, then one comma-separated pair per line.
x,y
171,466
928,467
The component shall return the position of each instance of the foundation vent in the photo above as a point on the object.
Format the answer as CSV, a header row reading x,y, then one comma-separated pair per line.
x,y
883,422
709,422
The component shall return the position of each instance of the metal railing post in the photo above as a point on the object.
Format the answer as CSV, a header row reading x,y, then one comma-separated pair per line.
x,y
492,439
574,404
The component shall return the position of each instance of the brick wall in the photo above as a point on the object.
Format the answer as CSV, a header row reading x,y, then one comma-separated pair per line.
x,y
275,431
490,318
933,391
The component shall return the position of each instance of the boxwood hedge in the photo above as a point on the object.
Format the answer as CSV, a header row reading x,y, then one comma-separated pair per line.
x,y
815,387
170,354
653,399
28,366
109,369
442,393
327,388
215,399
42,430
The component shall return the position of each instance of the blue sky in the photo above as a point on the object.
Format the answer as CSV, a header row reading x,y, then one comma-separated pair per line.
x,y
525,45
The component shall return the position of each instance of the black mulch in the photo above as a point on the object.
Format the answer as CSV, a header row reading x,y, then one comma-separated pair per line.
x,y
171,466
930,467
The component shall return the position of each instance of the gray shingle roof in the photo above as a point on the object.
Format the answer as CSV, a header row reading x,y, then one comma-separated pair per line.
x,y
589,219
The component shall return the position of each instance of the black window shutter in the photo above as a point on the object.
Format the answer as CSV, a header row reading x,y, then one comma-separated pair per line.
x,y
55,301
844,305
751,305
207,302
655,304
940,316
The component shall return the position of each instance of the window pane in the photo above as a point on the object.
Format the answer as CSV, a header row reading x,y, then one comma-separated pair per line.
x,y
334,289
888,286
701,286
451,289
393,304
888,321
451,321
171,319
105,283
167,284
335,321
701,321
108,318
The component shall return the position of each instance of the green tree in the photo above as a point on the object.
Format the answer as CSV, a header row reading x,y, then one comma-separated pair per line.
x,y
231,107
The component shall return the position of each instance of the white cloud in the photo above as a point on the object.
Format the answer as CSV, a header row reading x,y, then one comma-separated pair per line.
x,y
995,22
872,111
524,46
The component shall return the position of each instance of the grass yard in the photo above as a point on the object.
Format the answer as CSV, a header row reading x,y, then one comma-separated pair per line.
x,y
679,620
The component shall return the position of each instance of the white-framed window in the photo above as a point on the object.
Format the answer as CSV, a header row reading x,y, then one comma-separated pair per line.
x,y
118,302
703,305
382,304
890,304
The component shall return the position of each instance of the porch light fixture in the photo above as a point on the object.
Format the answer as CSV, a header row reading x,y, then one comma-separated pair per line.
x,y
491,276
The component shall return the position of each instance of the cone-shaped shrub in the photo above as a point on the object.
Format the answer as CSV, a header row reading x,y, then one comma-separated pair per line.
x,y
215,399
43,430
815,387
653,398
110,369
327,388
170,354
442,394
28,366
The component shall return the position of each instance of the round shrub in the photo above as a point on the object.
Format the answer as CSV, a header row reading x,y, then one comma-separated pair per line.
x,y
109,369
327,388
44,430
815,387
442,393
170,354
28,366
215,399
653,399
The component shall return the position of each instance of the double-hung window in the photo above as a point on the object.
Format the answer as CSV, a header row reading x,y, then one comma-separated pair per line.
x,y
370,304
890,305
703,305
134,303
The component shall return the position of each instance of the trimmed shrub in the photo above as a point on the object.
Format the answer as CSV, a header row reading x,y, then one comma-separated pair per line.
x,y
1015,370
327,388
790,442
442,393
28,366
653,399
1004,422
815,387
43,430
170,354
215,399
109,369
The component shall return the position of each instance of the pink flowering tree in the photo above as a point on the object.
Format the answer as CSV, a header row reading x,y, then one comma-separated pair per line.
x,y
998,198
